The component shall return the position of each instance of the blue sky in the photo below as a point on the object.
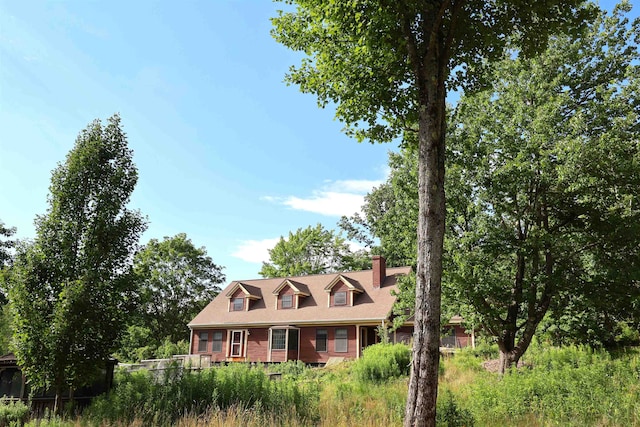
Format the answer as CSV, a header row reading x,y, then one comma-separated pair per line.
x,y
226,152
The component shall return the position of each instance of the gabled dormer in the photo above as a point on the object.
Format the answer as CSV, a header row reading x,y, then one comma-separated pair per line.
x,y
289,294
240,297
342,291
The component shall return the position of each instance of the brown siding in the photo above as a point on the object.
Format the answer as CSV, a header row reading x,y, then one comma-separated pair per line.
x,y
258,345
404,334
308,353
463,339
215,356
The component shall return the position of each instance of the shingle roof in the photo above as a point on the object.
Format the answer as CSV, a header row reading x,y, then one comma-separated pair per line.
x,y
371,305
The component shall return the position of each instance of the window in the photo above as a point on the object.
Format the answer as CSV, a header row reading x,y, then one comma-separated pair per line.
x,y
217,342
321,340
203,341
237,304
340,298
287,301
341,341
278,339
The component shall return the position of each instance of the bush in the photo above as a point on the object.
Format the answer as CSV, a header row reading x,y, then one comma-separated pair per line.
x,y
449,414
380,362
12,412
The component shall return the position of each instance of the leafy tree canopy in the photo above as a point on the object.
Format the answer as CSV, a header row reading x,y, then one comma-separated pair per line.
x,y
6,245
72,289
386,67
177,279
312,250
543,172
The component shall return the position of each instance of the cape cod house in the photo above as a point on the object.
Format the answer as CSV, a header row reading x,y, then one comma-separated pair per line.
x,y
308,318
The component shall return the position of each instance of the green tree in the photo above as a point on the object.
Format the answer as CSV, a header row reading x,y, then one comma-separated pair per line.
x,y
71,290
389,215
177,280
6,245
387,66
6,259
544,176
312,250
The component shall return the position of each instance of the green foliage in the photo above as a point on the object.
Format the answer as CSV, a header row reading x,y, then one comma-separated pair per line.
x,y
381,362
390,213
138,343
176,281
72,289
167,349
161,402
12,412
449,414
627,335
294,368
543,178
312,250
569,386
387,68
6,245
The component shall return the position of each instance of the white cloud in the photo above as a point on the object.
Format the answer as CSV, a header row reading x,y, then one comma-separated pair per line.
x,y
336,198
359,186
256,251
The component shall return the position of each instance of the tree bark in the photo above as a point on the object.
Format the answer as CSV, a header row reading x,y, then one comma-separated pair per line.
x,y
423,384
57,403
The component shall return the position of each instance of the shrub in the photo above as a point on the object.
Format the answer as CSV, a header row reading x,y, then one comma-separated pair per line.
x,y
449,414
12,412
380,362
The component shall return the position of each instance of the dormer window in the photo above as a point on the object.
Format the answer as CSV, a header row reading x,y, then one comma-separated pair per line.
x,y
289,294
240,296
287,301
237,304
340,298
341,291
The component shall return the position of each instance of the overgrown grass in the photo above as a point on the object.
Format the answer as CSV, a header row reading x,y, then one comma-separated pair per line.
x,y
572,386
567,386
180,393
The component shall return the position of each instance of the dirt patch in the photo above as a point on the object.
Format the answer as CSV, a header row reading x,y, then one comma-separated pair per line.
x,y
494,365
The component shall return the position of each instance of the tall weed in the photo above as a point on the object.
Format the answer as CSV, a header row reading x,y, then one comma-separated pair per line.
x,y
140,395
381,362
570,386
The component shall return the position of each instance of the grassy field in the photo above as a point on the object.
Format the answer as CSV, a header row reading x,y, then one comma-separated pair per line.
x,y
569,386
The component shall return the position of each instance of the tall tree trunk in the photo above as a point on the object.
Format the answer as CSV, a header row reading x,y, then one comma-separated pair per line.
x,y
57,403
423,385
509,353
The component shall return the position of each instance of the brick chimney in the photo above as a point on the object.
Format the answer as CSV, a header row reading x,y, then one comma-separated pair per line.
x,y
379,270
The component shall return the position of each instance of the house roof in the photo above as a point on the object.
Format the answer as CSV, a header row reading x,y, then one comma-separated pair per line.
x,y
298,288
249,291
370,304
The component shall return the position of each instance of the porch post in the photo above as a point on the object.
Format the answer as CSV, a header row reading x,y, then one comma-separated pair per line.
x,y
286,345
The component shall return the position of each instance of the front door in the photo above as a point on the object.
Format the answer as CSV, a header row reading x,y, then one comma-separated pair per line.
x,y
237,344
